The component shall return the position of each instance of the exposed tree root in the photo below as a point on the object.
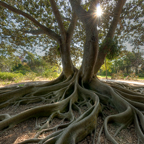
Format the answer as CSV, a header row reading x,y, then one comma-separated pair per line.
x,y
62,97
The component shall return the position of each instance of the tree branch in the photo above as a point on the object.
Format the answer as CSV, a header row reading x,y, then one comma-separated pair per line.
x,y
68,19
133,9
80,12
71,27
117,12
35,32
121,26
58,18
93,4
47,30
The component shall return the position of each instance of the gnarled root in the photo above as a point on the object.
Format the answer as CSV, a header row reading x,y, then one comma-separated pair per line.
x,y
66,100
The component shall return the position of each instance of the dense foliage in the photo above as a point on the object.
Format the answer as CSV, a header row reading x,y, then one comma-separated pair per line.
x,y
22,34
28,65
127,62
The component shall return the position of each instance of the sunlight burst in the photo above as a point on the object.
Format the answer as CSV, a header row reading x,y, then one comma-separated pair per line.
x,y
99,11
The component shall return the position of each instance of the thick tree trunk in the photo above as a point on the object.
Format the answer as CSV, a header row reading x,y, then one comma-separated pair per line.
x,y
90,52
66,37
67,99
68,68
91,43
106,68
100,61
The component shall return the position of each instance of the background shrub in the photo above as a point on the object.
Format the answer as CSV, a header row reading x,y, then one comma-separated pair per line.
x,y
10,76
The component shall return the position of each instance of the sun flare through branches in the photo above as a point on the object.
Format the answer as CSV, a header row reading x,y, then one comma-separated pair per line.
x,y
98,11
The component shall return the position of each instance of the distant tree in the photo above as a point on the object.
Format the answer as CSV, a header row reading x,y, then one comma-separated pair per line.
x,y
128,60
107,66
138,61
7,57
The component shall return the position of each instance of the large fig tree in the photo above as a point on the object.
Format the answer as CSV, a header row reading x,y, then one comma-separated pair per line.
x,y
77,97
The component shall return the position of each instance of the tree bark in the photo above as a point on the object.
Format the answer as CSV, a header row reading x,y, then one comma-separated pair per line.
x,y
68,68
106,68
91,43
90,52
100,61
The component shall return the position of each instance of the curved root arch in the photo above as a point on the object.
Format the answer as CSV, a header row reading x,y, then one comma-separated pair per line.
x,y
66,99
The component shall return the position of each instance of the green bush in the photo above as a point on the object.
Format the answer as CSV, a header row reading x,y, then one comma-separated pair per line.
x,y
141,74
23,69
10,76
50,74
30,76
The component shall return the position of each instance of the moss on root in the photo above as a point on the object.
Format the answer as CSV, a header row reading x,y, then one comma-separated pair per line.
x,y
64,96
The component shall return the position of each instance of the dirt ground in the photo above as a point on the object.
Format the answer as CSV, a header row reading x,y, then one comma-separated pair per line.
x,y
26,130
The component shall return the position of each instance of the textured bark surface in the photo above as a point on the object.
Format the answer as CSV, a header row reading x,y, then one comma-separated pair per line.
x,y
90,53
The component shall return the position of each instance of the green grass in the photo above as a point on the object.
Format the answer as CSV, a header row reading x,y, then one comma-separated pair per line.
x,y
99,76
7,76
109,77
141,78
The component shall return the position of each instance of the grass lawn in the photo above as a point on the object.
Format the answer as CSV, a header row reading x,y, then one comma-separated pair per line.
x,y
109,77
141,78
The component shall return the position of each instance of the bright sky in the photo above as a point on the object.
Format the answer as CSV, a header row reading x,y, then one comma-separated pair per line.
x,y
99,11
